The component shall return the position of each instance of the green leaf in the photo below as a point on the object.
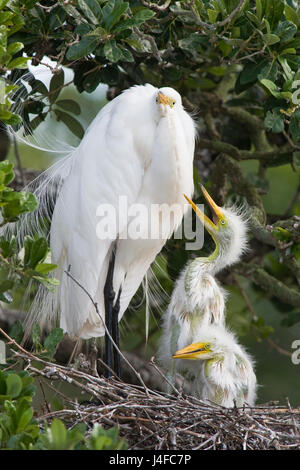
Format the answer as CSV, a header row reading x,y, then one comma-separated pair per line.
x,y
282,234
139,18
111,51
91,81
274,121
17,331
69,105
18,63
45,268
91,9
24,418
212,15
274,11
6,168
193,42
70,122
126,54
251,71
13,385
286,68
58,435
8,247
35,251
259,10
13,120
56,84
271,86
110,75
15,47
269,71
270,39
83,48
291,14
52,340
17,203
218,71
40,87
112,12
36,336
286,30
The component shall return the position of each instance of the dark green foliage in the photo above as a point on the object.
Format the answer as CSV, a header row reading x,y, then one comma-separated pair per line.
x,y
19,429
32,264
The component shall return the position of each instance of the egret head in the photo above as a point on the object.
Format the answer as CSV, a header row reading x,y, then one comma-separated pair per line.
x,y
227,226
202,350
166,99
211,342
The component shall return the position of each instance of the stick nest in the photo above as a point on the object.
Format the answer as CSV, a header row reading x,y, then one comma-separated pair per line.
x,y
148,419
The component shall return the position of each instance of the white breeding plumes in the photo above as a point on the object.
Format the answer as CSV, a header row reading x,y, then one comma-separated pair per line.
x,y
198,300
141,146
220,370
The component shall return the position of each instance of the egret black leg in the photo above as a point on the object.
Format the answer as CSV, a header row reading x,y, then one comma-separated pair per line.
x,y
115,334
109,296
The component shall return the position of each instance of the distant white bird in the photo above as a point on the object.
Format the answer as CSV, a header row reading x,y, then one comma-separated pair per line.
x,y
198,300
140,146
220,369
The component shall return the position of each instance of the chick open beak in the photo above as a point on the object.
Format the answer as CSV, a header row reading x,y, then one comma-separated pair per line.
x,y
216,211
193,351
164,99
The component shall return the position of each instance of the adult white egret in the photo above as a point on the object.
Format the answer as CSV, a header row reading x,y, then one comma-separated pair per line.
x,y
220,369
198,300
140,146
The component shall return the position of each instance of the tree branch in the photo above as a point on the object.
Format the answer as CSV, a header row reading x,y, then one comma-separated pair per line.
x,y
269,283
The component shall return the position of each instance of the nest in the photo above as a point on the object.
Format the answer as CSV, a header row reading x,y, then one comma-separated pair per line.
x,y
154,420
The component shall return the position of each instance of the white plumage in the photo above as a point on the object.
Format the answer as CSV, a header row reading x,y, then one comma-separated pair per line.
x,y
197,313
138,148
221,371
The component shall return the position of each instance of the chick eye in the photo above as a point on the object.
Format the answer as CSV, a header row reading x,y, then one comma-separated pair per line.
x,y
207,346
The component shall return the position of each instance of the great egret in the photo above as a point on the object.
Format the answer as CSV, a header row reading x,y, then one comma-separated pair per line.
x,y
198,300
221,370
139,147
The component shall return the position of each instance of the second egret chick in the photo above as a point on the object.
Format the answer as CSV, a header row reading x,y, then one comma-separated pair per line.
x,y
198,300
220,369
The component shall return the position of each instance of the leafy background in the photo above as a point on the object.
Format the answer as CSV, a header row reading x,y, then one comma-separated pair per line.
x,y
236,64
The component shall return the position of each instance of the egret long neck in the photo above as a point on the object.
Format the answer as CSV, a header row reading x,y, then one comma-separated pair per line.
x,y
227,250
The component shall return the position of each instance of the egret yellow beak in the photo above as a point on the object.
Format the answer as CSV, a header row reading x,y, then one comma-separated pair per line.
x,y
164,99
216,210
193,351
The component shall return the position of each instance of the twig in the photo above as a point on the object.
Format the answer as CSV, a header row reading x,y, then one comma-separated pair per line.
x,y
163,376
154,6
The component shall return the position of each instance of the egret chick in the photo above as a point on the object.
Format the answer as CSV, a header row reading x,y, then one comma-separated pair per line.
x,y
221,370
198,300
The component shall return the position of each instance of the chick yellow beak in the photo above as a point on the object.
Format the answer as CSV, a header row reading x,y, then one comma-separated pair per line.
x,y
216,210
164,99
193,351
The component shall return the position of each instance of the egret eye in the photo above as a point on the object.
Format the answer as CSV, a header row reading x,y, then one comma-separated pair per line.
x,y
207,346
222,222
